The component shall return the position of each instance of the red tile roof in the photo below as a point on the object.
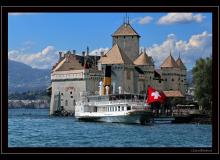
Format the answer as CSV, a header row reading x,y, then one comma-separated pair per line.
x,y
115,56
173,94
125,30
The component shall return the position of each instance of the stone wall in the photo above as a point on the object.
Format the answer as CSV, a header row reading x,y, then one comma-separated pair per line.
x,y
129,44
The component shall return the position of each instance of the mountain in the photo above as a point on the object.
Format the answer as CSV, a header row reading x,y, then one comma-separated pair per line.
x,y
22,77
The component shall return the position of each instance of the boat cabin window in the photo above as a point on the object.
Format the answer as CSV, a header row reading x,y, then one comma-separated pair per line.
x,y
129,108
118,108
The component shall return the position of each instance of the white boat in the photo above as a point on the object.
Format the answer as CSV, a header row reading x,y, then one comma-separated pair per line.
x,y
121,108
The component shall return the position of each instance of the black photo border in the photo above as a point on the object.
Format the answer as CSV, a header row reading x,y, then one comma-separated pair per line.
x,y
4,80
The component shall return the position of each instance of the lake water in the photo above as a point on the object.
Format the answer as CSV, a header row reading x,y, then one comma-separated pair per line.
x,y
34,128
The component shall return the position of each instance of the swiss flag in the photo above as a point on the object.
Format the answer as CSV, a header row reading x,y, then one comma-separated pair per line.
x,y
155,96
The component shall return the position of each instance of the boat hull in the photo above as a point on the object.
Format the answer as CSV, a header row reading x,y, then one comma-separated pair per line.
x,y
137,117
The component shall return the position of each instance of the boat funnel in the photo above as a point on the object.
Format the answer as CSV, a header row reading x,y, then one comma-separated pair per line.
x,y
113,88
120,90
107,79
100,88
107,90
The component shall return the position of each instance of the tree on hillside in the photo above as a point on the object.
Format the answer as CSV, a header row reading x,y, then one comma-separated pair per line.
x,y
202,78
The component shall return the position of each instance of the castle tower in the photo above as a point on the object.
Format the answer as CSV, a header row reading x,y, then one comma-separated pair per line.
x,y
127,39
122,69
182,77
170,74
145,63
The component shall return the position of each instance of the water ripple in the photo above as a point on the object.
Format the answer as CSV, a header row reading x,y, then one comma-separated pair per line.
x,y
34,128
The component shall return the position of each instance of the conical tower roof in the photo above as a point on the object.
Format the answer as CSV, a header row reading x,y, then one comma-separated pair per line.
x,y
180,64
125,30
143,59
115,56
169,63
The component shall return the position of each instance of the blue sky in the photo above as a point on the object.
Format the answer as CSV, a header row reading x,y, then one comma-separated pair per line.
x,y
36,38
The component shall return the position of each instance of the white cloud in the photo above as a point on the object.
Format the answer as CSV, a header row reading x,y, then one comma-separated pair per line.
x,y
145,20
172,18
142,20
98,51
199,45
43,59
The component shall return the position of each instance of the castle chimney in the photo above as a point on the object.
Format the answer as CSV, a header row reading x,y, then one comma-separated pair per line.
x,y
83,53
60,53
102,53
87,50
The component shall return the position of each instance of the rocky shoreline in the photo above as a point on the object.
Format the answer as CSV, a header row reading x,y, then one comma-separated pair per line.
x,y
28,104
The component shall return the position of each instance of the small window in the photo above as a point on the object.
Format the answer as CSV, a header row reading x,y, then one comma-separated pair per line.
x,y
71,92
129,108
122,108
71,96
61,99
118,108
124,37
181,80
66,103
61,93
172,79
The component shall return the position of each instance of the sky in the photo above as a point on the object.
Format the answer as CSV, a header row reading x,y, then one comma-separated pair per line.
x,y
36,38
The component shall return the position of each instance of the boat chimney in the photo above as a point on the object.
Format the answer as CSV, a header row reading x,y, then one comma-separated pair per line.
x,y
113,89
120,90
107,78
100,88
107,90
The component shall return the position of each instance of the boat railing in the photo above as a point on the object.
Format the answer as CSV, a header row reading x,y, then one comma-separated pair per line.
x,y
118,102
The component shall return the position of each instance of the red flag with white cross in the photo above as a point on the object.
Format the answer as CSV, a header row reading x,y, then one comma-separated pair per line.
x,y
155,96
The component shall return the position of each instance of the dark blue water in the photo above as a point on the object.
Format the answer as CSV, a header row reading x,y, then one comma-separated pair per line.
x,y
34,128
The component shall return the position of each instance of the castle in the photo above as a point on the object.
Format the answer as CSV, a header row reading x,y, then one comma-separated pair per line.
x,y
130,72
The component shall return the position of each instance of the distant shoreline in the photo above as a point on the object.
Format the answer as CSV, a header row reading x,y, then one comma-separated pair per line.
x,y
32,104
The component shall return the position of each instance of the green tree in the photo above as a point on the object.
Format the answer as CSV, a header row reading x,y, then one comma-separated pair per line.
x,y
202,79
